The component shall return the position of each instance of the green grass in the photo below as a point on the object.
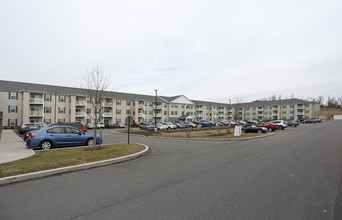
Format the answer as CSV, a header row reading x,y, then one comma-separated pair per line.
x,y
56,158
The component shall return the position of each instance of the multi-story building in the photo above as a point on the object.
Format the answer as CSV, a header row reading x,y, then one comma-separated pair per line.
x,y
28,102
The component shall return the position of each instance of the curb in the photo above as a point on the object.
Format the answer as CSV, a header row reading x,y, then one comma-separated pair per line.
x,y
202,139
44,173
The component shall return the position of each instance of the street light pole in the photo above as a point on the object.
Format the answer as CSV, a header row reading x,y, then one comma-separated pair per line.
x,y
230,104
155,111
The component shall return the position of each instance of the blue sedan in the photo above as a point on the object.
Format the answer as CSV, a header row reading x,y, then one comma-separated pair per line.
x,y
60,136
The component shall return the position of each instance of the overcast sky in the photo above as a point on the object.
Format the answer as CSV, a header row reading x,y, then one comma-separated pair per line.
x,y
206,50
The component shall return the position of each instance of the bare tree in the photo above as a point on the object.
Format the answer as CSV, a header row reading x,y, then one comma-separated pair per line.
x,y
238,99
320,100
95,83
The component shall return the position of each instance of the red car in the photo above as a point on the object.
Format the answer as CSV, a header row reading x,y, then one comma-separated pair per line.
x,y
135,125
75,125
269,126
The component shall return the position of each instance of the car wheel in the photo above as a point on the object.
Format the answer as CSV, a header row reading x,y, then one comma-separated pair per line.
x,y
259,131
281,128
270,129
90,142
46,145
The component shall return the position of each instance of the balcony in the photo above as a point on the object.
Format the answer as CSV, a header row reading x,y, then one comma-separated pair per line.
x,y
107,114
300,113
81,103
141,115
199,115
80,114
141,106
36,114
36,101
107,104
158,107
300,107
158,115
221,115
199,109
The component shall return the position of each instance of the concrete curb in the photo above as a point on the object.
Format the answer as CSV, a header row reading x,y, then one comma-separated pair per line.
x,y
44,173
203,139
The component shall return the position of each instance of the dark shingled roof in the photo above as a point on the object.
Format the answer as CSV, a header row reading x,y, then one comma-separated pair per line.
x,y
51,89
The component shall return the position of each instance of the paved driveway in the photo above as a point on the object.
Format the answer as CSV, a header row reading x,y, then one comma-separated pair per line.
x,y
294,174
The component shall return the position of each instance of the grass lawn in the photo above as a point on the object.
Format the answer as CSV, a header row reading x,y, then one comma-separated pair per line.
x,y
207,133
62,157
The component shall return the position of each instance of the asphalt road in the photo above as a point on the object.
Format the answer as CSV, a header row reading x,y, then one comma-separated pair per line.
x,y
294,174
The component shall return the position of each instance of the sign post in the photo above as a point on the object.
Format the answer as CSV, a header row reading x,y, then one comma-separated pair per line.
x,y
128,122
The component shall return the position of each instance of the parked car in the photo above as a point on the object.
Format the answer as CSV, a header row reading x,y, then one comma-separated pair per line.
x,y
26,127
100,125
89,125
281,124
269,126
179,125
147,126
109,125
169,125
135,125
61,135
310,120
188,124
292,123
254,129
161,126
75,125
119,125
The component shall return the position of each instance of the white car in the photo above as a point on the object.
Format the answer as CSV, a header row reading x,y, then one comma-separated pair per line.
x,y
161,127
100,125
281,124
169,125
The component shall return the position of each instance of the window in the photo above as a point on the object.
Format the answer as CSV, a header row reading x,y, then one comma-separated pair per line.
x,y
13,95
150,112
172,105
47,98
71,131
61,98
284,106
172,113
88,110
118,102
12,122
118,111
307,105
151,104
128,102
88,100
291,106
165,105
88,120
47,120
165,112
284,112
56,130
12,109
118,120
61,120
47,109
61,110
176,105
128,112
291,111
307,111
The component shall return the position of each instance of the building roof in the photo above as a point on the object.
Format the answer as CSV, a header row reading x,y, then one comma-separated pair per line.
x,y
52,89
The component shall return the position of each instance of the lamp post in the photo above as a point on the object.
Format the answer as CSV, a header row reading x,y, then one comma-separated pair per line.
x,y
230,104
155,111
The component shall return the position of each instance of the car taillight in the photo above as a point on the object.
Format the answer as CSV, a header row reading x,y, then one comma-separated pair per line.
x,y
32,135
20,128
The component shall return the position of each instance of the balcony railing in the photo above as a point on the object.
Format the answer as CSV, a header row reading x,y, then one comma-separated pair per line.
x,y
141,115
107,114
81,103
199,115
36,113
300,107
158,107
80,114
141,106
36,101
107,104
158,115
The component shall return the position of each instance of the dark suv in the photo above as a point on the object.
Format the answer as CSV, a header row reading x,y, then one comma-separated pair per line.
x,y
76,125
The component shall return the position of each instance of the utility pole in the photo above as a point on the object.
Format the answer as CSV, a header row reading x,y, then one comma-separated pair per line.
x,y
155,111
230,110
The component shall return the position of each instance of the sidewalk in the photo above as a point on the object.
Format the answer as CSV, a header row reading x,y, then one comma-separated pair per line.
x,y
12,147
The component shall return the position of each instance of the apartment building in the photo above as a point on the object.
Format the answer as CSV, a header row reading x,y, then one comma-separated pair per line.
x,y
29,102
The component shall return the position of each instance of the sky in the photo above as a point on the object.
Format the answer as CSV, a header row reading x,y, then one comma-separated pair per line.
x,y
212,50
